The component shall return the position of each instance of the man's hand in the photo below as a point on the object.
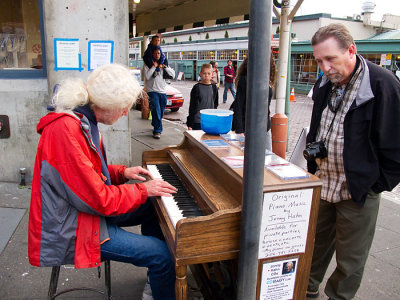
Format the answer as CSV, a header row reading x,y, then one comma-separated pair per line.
x,y
155,64
158,187
134,173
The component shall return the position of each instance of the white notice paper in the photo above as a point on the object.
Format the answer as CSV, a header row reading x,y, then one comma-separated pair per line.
x,y
100,53
284,224
67,54
278,279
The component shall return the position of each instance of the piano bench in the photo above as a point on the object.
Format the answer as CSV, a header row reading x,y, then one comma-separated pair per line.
x,y
55,272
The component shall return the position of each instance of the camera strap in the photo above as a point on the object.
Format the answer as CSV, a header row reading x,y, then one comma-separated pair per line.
x,y
339,102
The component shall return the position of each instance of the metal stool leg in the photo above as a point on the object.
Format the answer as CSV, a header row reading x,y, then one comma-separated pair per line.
x,y
107,275
55,272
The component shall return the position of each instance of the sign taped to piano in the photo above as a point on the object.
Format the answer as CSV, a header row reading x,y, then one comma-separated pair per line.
x,y
284,223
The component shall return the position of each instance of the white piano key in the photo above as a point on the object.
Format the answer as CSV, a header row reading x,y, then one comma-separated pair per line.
x,y
154,171
173,211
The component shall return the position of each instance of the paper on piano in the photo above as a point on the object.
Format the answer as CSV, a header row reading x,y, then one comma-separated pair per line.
x,y
274,160
232,137
270,160
234,161
215,143
289,171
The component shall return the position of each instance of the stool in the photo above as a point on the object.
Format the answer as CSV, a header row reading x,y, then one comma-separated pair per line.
x,y
55,272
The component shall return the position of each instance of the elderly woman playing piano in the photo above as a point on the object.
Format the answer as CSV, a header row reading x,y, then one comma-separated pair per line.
x,y
78,202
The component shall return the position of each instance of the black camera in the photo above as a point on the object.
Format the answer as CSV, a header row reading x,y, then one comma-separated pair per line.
x,y
315,150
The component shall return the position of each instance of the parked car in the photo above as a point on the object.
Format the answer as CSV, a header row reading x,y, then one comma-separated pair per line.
x,y
174,96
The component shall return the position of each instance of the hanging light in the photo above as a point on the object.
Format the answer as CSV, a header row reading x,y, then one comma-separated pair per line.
x,y
136,1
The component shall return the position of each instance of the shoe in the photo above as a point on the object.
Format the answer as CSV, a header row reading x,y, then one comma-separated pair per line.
x,y
311,294
157,135
147,294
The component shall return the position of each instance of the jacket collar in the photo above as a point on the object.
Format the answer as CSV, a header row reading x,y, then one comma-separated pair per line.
x,y
364,92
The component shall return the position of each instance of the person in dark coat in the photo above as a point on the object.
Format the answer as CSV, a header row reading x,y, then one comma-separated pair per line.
x,y
355,123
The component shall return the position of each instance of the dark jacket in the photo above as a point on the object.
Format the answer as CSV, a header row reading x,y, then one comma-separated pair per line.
x,y
239,106
230,71
196,103
371,151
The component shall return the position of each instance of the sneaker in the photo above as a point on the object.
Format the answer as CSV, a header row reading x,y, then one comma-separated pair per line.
x,y
157,135
311,294
147,294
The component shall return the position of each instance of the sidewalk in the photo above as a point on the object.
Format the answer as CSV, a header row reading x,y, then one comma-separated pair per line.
x,y
19,280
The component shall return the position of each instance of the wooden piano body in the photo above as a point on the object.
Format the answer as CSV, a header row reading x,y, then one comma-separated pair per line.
x,y
217,190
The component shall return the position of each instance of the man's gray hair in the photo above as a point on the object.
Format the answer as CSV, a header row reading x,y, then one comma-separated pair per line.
x,y
335,30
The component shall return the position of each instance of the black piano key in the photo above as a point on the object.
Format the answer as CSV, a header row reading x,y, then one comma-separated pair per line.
x,y
182,198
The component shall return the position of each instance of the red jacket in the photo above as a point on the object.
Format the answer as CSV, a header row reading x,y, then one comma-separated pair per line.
x,y
69,197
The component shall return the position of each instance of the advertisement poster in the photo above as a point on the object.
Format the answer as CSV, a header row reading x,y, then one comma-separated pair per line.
x,y
66,54
278,279
100,53
284,224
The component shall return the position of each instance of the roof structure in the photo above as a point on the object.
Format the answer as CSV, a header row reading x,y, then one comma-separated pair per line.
x,y
389,35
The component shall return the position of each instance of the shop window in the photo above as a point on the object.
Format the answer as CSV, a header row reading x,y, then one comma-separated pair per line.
x,y
243,54
227,54
21,36
189,55
305,69
174,55
206,55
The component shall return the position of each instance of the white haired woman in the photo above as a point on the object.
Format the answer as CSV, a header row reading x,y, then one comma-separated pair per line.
x,y
78,202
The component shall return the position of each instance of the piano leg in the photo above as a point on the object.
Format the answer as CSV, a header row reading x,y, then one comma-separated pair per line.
x,y
181,283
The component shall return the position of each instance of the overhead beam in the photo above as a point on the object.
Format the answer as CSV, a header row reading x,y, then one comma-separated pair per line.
x,y
190,12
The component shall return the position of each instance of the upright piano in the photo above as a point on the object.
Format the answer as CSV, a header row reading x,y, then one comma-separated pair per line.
x,y
202,223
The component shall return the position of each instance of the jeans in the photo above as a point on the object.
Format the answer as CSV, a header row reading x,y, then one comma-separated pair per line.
x,y
157,102
349,230
229,86
146,250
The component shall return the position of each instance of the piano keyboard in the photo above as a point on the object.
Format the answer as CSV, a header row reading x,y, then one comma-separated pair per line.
x,y
181,205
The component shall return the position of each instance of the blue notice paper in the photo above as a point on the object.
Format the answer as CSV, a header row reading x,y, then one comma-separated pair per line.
x,y
215,143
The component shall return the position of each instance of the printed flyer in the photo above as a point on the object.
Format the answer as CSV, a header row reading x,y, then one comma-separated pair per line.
x,y
278,279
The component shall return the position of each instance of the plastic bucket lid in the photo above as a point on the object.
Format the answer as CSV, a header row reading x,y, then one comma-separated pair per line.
x,y
217,112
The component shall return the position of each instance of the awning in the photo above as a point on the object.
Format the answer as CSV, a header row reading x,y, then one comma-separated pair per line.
x,y
157,16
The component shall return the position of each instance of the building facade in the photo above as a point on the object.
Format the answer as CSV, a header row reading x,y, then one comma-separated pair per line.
x,y
43,42
188,49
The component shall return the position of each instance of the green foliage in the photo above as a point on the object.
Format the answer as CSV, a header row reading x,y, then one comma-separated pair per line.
x,y
190,38
163,41
207,36
277,29
226,34
175,40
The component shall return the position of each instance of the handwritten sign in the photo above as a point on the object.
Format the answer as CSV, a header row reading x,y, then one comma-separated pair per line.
x,y
278,279
284,223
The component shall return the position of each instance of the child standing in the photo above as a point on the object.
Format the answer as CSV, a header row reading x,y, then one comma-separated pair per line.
x,y
203,95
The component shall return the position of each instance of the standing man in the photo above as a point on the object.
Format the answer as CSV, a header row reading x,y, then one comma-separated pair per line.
x,y
155,86
216,76
356,117
229,72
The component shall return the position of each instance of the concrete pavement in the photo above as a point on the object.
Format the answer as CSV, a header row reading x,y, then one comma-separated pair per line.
x,y
19,280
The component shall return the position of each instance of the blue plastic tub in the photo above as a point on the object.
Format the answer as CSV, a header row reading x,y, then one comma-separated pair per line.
x,y
216,121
